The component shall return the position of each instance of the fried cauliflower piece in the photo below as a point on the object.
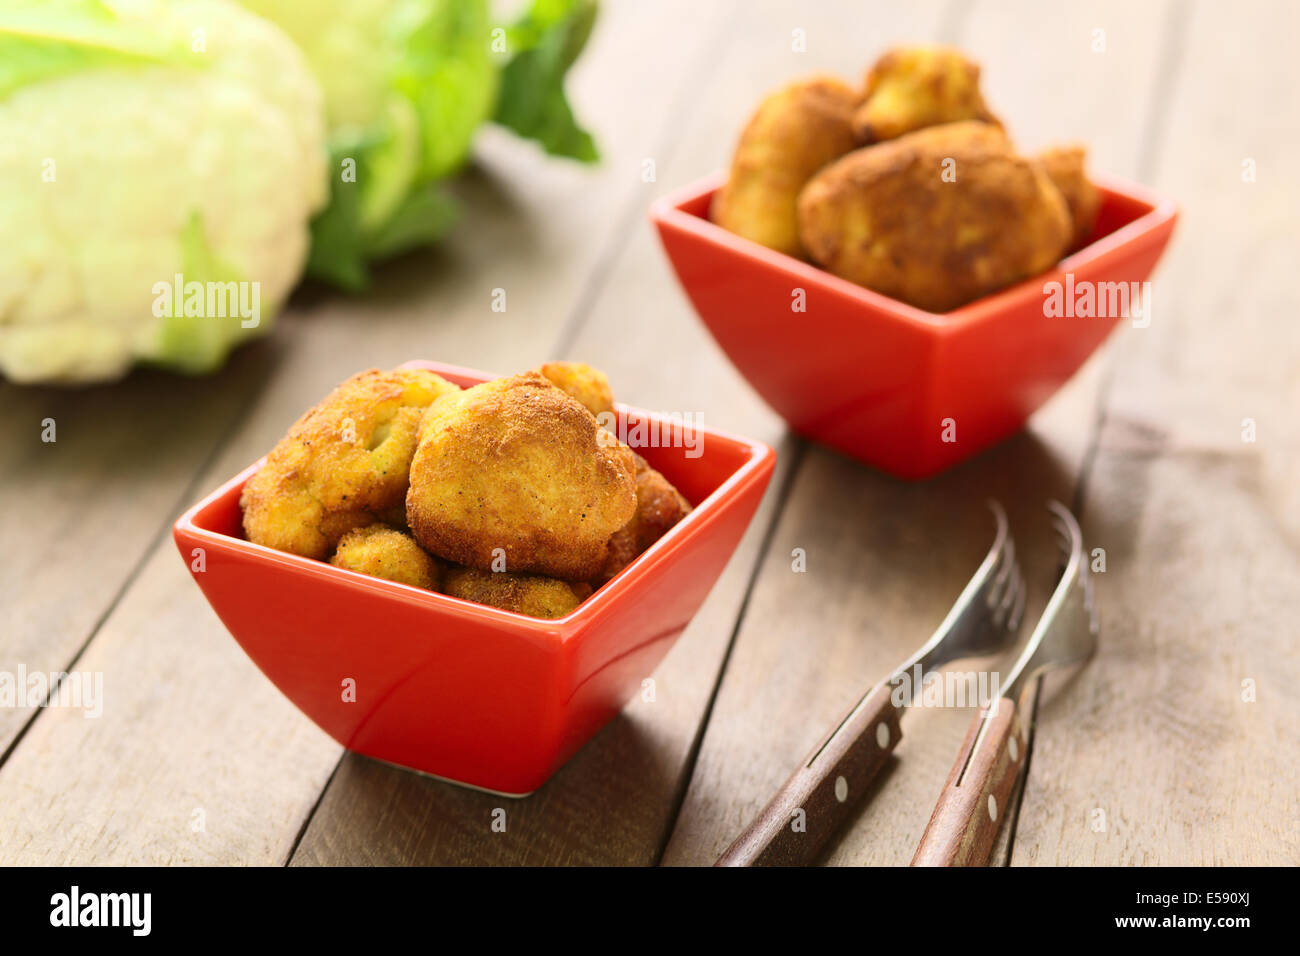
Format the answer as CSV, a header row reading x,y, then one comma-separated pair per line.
x,y
343,464
887,216
516,464
523,593
384,552
1067,168
795,132
590,386
913,87
659,506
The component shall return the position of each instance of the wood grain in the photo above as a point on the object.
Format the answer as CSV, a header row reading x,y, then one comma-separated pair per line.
x,y
189,721
887,559
973,804
1156,754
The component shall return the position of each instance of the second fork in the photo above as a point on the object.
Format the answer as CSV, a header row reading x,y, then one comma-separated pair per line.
x,y
797,822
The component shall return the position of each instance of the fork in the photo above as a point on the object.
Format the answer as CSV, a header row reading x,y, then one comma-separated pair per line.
x,y
798,821
974,799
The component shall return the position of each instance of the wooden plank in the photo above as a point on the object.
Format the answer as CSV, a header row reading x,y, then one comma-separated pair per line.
x,y
614,803
189,722
1153,756
81,513
886,559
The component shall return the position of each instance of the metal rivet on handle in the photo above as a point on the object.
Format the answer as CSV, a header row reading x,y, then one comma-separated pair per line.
x,y
1014,749
841,789
993,808
882,734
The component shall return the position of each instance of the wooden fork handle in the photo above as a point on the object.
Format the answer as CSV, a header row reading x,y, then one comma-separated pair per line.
x,y
975,799
821,794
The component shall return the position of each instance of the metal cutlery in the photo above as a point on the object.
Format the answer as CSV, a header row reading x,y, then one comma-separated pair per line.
x,y
974,800
820,795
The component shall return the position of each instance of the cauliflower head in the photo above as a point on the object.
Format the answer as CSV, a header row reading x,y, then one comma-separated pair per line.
x,y
141,141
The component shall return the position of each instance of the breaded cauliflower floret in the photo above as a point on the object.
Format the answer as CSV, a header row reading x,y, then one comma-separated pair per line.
x,y
659,506
342,465
588,385
913,87
888,218
1066,166
515,469
384,552
523,593
794,132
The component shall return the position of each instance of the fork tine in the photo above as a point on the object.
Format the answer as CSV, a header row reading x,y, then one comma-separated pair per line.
x,y
1001,614
978,623
1005,561
1068,629
1062,520
1018,613
1063,536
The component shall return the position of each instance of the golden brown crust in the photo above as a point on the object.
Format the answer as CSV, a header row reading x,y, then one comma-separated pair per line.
x,y
590,386
659,506
910,88
1067,168
384,552
513,469
523,593
887,218
795,132
342,463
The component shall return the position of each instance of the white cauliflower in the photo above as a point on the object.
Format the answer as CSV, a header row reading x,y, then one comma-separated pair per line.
x,y
140,140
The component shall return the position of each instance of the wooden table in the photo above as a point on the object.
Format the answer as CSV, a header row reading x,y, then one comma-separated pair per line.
x,y
1177,744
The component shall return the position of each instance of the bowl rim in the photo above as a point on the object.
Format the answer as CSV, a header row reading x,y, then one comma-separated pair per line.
x,y
668,211
760,459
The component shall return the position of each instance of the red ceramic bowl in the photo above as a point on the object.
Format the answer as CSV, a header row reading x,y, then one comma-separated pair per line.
x,y
877,379
471,693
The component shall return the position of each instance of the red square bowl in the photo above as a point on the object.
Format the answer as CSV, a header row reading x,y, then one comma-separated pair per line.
x,y
471,693
907,391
